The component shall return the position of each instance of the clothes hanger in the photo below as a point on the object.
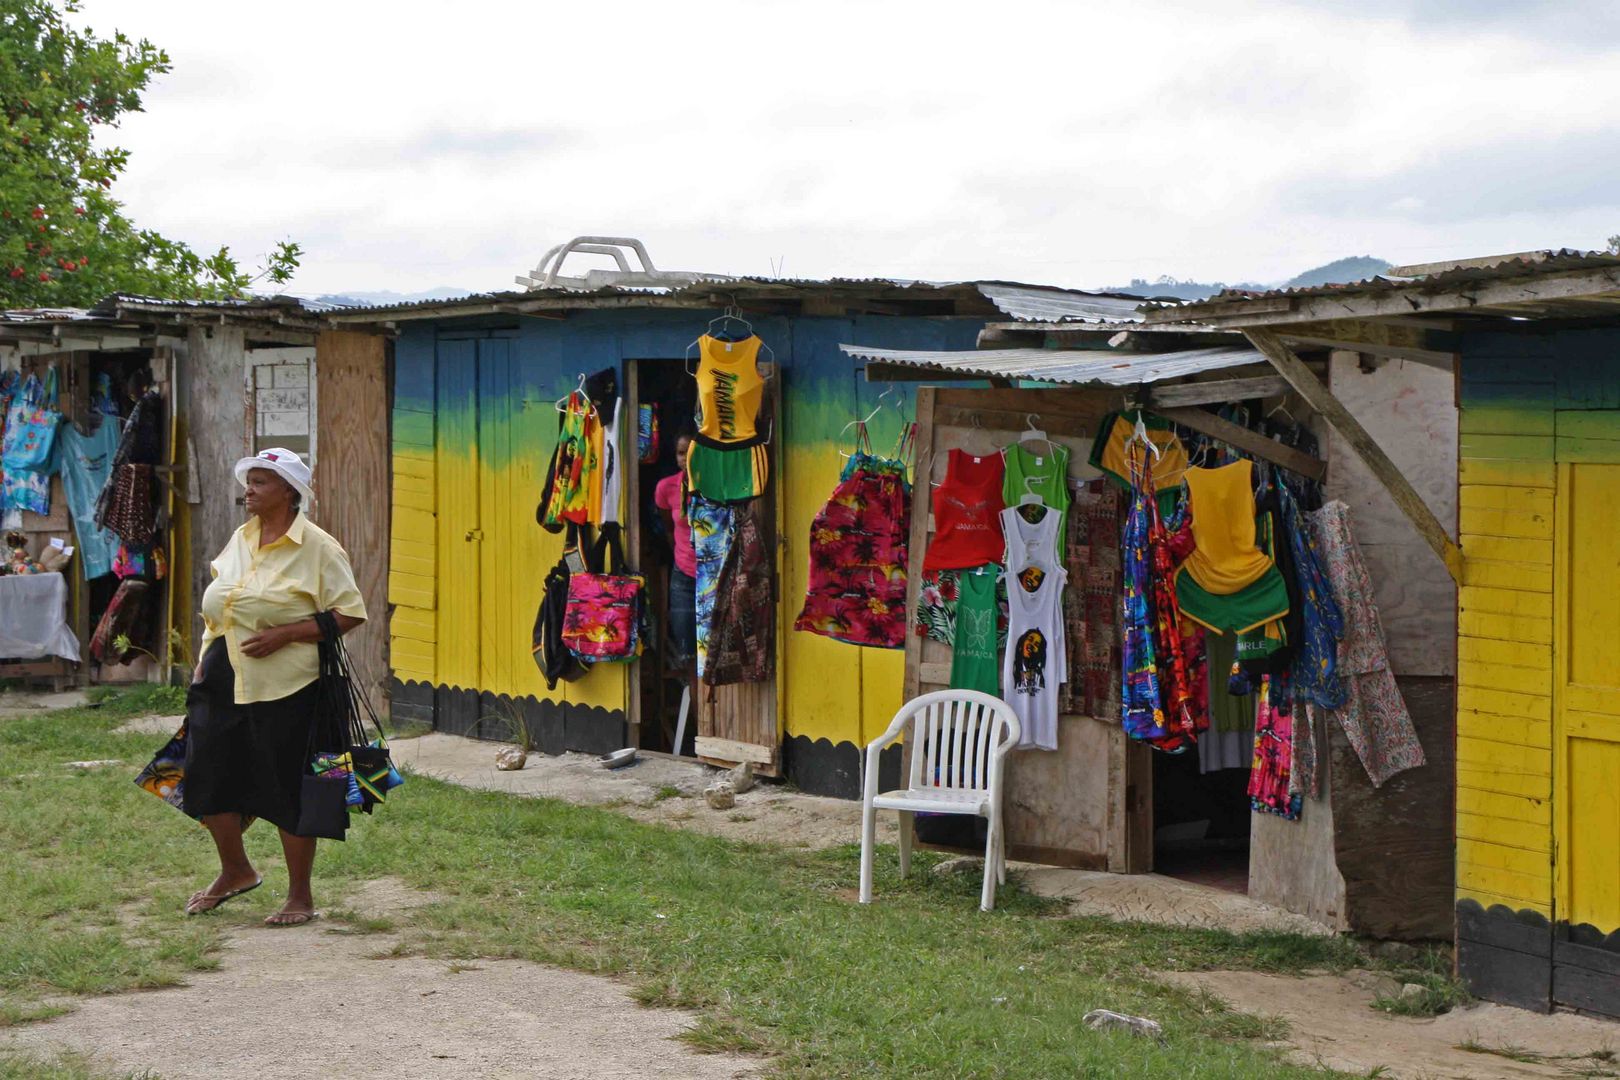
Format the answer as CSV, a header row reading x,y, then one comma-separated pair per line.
x,y
1031,433
860,425
562,402
732,313
1031,497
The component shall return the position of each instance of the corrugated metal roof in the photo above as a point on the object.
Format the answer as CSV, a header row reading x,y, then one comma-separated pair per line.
x,y
1016,300
1079,367
1529,264
27,316
1034,303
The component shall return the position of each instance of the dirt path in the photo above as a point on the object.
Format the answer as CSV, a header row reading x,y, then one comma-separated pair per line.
x,y
313,1001
1331,1024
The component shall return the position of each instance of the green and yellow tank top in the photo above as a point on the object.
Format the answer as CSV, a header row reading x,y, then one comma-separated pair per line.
x,y
729,390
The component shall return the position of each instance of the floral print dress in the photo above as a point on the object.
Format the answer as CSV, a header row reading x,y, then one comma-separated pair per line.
x,y
858,547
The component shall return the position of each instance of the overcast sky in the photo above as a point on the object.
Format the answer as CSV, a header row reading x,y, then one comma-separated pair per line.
x,y
409,145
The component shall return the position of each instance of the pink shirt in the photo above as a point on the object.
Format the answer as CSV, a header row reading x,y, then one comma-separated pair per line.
x,y
667,496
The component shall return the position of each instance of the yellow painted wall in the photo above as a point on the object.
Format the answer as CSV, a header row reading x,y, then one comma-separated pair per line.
x,y
1504,649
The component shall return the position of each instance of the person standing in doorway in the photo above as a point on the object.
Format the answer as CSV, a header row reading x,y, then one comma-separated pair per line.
x,y
670,496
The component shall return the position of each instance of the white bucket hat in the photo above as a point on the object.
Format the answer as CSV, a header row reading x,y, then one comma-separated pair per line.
x,y
286,464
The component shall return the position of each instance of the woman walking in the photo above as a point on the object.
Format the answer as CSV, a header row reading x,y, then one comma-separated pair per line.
x,y
254,693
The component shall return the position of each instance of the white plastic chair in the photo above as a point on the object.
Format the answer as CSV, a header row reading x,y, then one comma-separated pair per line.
x,y
958,740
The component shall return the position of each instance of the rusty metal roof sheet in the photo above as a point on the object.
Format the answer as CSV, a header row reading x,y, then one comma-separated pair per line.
x,y
1077,367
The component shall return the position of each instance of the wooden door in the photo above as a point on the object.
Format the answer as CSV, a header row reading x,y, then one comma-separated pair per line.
x,y
460,536
740,722
1586,731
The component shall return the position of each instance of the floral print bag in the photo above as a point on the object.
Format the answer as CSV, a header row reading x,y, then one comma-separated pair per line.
x,y
601,623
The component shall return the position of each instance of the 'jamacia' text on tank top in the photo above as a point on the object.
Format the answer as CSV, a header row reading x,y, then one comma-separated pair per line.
x,y
725,403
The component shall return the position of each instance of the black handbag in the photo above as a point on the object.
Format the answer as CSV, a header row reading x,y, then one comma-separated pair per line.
x,y
339,732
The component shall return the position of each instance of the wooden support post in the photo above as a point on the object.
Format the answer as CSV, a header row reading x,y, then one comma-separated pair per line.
x,y
1309,387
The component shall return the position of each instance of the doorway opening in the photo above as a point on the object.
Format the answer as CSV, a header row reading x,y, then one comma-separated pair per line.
x,y
1201,821
663,394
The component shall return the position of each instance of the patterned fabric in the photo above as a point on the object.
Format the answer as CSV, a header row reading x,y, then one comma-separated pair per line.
x,y
1374,715
1315,671
1273,752
937,599
131,510
1141,704
574,463
1090,604
31,426
1304,777
742,640
713,527
1175,670
858,546
165,775
24,489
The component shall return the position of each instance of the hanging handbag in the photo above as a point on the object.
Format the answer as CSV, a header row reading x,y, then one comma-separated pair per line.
x,y
350,768
31,426
602,622
556,663
131,513
120,620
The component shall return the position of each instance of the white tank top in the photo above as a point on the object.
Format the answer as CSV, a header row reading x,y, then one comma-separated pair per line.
x,y
1026,543
1036,662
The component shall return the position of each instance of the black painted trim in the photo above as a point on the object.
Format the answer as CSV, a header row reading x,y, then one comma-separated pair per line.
x,y
820,767
1505,955
554,726
1586,968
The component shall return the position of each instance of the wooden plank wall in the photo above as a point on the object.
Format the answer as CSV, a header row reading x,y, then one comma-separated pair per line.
x,y
1069,807
1504,647
215,402
352,482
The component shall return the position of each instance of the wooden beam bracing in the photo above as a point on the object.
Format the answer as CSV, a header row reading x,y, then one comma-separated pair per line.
x,y
1216,391
1251,442
1317,395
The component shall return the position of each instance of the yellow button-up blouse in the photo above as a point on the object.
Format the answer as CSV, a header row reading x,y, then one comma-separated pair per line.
x,y
255,588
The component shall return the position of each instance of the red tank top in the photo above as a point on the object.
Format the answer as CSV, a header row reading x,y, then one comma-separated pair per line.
x,y
967,514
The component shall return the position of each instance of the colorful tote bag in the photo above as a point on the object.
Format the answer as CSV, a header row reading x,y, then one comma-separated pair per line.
x,y
601,623
165,775
31,426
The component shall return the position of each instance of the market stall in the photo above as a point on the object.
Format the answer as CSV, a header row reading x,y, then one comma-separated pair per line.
x,y
1216,676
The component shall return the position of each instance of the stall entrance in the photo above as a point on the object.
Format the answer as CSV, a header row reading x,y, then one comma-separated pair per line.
x,y
723,725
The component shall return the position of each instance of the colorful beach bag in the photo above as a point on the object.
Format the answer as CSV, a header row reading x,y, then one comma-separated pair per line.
x,y
31,426
601,624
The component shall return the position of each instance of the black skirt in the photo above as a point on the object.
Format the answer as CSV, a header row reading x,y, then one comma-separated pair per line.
x,y
245,759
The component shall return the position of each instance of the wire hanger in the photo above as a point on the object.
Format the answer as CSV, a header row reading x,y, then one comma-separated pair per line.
x,y
562,402
732,313
860,426
1282,407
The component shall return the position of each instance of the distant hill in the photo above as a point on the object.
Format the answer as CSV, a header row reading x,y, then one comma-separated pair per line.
x,y
1340,271
386,296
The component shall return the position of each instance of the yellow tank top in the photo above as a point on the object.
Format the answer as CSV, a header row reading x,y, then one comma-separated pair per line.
x,y
729,388
1226,558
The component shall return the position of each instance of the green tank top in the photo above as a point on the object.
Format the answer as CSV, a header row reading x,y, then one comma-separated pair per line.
x,y
1045,474
975,660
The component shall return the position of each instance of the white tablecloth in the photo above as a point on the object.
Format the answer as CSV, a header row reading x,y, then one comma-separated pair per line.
x,y
33,618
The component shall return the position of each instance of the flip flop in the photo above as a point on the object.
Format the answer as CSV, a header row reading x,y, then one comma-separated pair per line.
x,y
218,900
297,918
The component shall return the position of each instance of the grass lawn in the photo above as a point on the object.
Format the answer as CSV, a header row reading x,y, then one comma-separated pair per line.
x,y
766,944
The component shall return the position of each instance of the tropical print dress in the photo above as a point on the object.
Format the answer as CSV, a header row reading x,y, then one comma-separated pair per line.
x,y
713,527
858,546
